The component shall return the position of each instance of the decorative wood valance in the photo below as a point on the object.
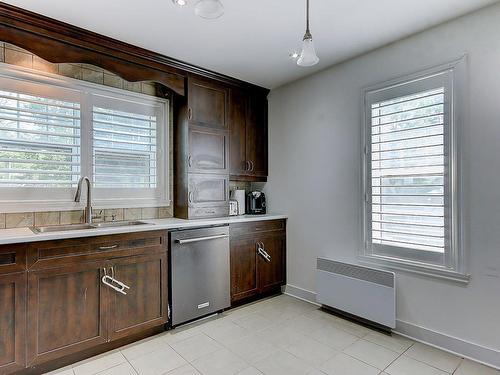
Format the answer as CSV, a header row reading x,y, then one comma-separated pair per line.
x,y
59,42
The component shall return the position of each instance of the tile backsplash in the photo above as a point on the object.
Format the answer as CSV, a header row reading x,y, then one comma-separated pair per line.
x,y
27,219
14,55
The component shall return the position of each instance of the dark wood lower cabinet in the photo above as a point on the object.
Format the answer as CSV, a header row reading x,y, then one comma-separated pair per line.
x,y
145,304
12,322
272,270
244,278
66,311
58,310
252,272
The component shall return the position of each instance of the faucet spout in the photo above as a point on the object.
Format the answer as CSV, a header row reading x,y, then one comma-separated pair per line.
x,y
88,208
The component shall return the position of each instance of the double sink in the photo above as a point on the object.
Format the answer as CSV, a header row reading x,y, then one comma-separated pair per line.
x,y
109,224
87,215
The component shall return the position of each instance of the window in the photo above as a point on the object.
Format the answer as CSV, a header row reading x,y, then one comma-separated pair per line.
x,y
411,174
54,130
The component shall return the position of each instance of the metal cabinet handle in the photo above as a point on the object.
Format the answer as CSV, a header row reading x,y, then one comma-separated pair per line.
x,y
264,255
251,166
247,165
108,247
190,161
190,197
199,239
111,281
190,113
262,252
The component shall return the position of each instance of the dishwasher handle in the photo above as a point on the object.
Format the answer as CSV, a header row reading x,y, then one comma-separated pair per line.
x,y
199,239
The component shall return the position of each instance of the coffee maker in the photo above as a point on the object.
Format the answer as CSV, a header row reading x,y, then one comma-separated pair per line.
x,y
256,203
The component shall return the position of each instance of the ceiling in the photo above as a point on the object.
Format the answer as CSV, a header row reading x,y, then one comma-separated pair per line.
x,y
253,39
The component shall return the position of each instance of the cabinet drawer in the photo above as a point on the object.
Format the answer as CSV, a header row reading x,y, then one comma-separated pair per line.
x,y
241,229
12,258
52,253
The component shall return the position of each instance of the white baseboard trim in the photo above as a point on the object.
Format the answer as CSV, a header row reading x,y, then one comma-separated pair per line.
x,y
303,294
466,349
454,345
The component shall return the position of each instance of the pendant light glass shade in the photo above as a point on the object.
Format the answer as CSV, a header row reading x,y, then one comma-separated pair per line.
x,y
209,9
308,55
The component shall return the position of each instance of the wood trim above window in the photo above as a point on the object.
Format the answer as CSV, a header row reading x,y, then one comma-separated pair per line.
x,y
59,42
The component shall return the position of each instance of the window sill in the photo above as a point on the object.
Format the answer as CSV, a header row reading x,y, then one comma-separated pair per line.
x,y
416,268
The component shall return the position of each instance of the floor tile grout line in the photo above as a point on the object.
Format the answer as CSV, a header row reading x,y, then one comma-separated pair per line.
x,y
428,364
130,363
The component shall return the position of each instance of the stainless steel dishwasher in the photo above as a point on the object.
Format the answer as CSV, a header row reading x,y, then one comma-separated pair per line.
x,y
199,269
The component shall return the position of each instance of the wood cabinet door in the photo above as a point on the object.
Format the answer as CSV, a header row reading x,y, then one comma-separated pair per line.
x,y
208,150
237,132
243,260
12,322
66,310
145,304
208,190
272,271
207,103
256,135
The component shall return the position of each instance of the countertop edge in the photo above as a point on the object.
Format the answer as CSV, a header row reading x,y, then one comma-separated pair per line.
x,y
25,235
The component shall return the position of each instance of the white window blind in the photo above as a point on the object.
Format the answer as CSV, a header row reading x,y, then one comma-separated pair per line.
x,y
54,130
411,216
408,171
39,141
124,149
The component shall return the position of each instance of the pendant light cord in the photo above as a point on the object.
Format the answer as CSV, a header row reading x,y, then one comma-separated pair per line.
x,y
307,16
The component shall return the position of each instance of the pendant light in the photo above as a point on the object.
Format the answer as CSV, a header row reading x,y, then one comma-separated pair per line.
x,y
308,55
209,9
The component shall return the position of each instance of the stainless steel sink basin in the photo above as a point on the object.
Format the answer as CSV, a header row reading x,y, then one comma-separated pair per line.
x,y
111,224
62,228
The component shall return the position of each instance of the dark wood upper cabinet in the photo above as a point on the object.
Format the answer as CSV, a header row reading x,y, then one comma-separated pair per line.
x,y
145,304
256,136
208,150
201,169
237,132
248,135
207,103
66,311
12,322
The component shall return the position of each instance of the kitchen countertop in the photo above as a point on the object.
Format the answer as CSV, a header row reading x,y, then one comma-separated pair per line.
x,y
20,235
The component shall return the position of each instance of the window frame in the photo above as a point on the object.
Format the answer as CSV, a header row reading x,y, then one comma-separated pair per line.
x,y
452,76
56,199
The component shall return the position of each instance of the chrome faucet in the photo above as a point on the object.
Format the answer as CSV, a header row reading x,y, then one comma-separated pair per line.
x,y
88,208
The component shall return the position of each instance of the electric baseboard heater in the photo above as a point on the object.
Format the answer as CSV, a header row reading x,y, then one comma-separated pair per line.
x,y
362,292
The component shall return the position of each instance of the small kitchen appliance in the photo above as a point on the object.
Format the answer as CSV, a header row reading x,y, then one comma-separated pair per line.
x,y
233,207
239,196
256,203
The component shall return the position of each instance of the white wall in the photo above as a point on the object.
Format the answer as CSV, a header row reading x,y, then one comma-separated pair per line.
x,y
315,178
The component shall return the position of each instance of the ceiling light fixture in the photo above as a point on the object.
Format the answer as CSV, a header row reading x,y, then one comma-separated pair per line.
x,y
209,9
180,3
308,55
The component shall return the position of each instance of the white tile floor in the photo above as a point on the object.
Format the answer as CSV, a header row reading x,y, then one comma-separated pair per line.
x,y
280,335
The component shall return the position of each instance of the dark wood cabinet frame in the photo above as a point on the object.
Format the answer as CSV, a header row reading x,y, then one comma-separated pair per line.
x,y
59,42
